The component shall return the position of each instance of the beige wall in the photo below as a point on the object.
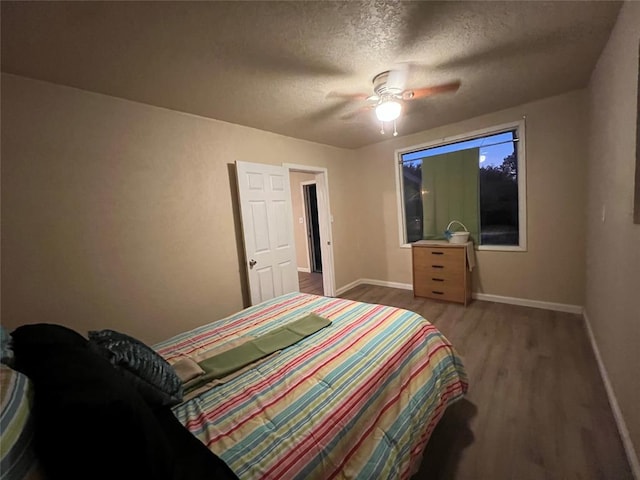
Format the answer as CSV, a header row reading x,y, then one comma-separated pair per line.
x,y
299,217
120,215
552,269
613,245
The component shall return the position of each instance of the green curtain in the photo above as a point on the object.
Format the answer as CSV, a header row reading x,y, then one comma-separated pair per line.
x,y
450,192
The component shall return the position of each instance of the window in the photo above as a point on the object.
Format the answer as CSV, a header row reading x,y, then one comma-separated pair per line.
x,y
477,179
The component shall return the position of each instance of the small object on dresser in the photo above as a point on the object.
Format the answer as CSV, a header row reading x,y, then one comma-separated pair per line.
x,y
456,237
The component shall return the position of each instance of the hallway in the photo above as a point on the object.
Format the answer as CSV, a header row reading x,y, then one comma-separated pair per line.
x,y
311,283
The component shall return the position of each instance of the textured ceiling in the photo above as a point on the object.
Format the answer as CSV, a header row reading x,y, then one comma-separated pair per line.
x,y
281,66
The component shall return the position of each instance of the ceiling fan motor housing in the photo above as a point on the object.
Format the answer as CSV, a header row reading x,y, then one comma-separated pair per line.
x,y
381,87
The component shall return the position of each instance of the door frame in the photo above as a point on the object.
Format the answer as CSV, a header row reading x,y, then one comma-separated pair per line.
x,y
324,220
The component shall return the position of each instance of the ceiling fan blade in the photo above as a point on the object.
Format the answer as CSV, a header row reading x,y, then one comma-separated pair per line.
x,y
417,93
326,112
356,113
348,96
259,58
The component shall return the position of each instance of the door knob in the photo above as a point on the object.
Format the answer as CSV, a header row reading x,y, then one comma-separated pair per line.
x,y
252,262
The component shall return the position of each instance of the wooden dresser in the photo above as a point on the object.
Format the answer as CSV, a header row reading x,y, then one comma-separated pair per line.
x,y
440,271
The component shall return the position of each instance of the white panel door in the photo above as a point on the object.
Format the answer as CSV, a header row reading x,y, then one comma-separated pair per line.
x,y
267,228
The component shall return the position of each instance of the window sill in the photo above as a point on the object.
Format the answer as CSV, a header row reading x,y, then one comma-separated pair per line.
x,y
488,248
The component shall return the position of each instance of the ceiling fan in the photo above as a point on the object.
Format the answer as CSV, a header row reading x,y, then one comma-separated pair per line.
x,y
390,94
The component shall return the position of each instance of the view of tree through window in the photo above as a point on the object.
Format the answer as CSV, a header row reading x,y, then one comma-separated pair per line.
x,y
437,197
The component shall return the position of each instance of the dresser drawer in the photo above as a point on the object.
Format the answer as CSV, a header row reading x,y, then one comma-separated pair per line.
x,y
437,272
449,292
446,261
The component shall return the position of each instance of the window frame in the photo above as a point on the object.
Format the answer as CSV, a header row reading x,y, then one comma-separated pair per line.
x,y
522,180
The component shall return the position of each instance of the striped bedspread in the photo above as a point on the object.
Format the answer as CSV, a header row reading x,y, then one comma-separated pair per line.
x,y
358,399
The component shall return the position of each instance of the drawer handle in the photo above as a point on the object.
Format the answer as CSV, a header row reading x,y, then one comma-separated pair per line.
x,y
438,279
437,253
437,293
437,266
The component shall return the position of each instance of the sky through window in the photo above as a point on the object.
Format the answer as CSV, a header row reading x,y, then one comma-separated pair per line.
x,y
493,149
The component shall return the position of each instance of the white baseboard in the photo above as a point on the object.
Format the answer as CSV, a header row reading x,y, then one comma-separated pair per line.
x,y
304,269
525,302
560,307
348,286
371,281
613,401
382,283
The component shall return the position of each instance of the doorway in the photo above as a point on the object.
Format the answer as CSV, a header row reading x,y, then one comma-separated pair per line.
x,y
312,228
310,279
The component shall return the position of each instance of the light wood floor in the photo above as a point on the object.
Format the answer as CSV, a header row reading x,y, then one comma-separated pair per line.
x,y
311,283
536,406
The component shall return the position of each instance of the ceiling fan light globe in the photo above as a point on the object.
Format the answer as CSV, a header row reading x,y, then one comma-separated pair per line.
x,y
388,111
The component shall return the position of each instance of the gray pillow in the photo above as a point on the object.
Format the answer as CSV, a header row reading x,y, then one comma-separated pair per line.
x,y
151,374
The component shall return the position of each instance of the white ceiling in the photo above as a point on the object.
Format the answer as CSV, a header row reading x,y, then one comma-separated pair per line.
x,y
280,66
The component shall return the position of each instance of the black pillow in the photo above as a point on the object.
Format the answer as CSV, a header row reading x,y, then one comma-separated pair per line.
x,y
88,422
151,374
47,334
36,340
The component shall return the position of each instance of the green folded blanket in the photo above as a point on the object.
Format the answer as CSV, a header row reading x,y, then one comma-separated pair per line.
x,y
236,358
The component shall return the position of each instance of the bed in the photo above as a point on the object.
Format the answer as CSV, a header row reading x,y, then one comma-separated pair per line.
x,y
357,396
357,399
